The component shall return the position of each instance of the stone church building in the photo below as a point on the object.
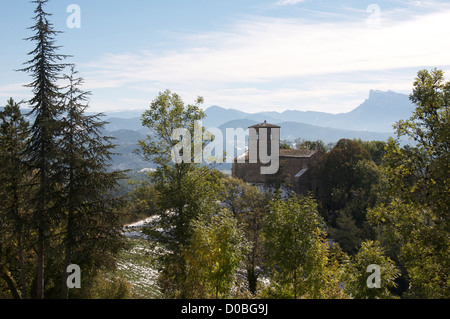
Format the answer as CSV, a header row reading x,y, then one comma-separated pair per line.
x,y
294,165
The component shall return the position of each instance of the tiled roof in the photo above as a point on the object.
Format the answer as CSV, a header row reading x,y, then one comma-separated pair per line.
x,y
297,153
285,153
265,124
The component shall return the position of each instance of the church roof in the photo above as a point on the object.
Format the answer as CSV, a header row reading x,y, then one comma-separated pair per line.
x,y
296,153
284,153
265,124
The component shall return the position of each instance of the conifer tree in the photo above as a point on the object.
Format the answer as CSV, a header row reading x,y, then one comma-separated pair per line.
x,y
91,228
43,151
13,217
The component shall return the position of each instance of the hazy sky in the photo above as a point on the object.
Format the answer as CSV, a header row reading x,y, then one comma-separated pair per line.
x,y
244,54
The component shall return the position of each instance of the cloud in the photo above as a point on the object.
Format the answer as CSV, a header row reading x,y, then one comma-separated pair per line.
x,y
14,90
288,2
264,61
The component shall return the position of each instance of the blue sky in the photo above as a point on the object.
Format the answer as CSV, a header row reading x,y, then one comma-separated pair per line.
x,y
266,55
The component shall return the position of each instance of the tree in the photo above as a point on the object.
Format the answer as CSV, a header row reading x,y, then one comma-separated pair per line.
x,y
376,149
91,227
216,250
285,144
346,233
166,114
43,150
358,270
14,218
319,145
295,247
335,172
349,184
185,189
142,200
414,224
248,205
73,204
349,227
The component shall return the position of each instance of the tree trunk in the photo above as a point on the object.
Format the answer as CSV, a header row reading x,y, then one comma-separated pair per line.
x,y
5,274
68,255
70,214
22,268
252,279
15,208
40,266
295,284
65,275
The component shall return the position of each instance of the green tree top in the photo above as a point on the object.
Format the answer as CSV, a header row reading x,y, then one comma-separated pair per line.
x,y
43,150
415,224
166,114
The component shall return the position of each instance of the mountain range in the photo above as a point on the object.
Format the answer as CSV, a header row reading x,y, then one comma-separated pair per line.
x,y
376,114
372,120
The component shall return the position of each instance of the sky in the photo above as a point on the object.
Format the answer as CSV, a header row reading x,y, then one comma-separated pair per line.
x,y
265,55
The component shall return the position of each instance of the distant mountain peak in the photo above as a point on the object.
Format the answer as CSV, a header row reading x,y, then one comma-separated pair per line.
x,y
215,108
385,101
377,114
382,92
379,93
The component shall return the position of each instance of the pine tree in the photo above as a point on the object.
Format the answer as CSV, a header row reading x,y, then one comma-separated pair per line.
x,y
91,227
43,151
13,141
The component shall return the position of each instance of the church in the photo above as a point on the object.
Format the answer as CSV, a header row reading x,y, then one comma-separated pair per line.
x,y
294,165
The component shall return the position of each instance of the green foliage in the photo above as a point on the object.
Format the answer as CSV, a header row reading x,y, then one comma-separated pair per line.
x,y
181,199
349,184
166,114
426,164
182,187
14,214
350,226
89,207
59,196
13,142
296,250
414,225
376,149
318,145
285,144
288,231
413,236
216,250
142,201
184,190
346,233
355,275
335,172
43,151
248,205
100,285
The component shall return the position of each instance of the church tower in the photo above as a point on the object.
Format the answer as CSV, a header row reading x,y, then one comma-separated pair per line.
x,y
261,135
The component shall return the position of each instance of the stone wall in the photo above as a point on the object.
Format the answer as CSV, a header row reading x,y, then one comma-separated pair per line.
x,y
290,166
